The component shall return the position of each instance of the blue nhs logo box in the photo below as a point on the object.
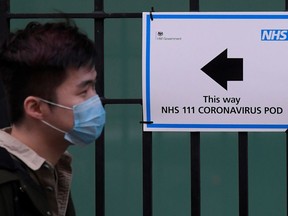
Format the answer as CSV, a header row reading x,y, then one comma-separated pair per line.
x,y
274,35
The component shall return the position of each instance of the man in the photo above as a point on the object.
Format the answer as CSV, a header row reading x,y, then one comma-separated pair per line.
x,y
48,73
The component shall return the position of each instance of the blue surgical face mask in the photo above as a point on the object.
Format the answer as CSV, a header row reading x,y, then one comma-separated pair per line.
x,y
89,120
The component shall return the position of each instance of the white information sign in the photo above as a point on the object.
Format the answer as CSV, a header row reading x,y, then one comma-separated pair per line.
x,y
215,71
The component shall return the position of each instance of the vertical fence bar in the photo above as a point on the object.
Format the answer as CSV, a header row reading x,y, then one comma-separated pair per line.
x,y
195,174
4,21
195,153
100,147
100,176
243,173
147,174
99,40
194,5
4,31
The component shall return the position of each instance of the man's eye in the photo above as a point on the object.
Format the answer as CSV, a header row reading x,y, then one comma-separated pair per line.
x,y
84,92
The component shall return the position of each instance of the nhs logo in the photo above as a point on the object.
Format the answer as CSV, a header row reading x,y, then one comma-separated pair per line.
x,y
274,35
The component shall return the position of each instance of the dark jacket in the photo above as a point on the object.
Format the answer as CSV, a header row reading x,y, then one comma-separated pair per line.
x,y
19,194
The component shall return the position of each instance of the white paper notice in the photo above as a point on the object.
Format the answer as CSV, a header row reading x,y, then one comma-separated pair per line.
x,y
215,71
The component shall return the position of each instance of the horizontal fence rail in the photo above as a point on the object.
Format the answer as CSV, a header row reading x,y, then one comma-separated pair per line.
x,y
93,15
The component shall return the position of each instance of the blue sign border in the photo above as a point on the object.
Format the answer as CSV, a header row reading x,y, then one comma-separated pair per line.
x,y
201,126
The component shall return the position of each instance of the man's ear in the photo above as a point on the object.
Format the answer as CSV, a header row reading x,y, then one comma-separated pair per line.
x,y
33,107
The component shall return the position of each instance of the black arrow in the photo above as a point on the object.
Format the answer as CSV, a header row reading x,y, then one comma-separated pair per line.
x,y
221,69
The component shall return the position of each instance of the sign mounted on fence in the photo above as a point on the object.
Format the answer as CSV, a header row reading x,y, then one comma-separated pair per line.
x,y
215,71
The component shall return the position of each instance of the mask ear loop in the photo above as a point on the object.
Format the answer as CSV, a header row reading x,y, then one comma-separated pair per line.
x,y
55,104
53,127
58,105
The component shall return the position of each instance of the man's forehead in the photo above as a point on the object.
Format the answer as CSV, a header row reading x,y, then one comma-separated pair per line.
x,y
81,73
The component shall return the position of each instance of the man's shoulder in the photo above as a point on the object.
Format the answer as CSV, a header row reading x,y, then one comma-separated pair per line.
x,y
6,161
7,176
17,189
8,167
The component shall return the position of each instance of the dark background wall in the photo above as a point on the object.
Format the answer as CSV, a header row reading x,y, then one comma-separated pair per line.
x,y
171,158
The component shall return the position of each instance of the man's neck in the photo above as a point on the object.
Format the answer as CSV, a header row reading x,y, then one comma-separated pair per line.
x,y
50,146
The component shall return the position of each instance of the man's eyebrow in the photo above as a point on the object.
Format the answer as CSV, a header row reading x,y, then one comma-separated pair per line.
x,y
85,83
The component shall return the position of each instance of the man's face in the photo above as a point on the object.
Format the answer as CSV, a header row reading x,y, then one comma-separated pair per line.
x,y
78,86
